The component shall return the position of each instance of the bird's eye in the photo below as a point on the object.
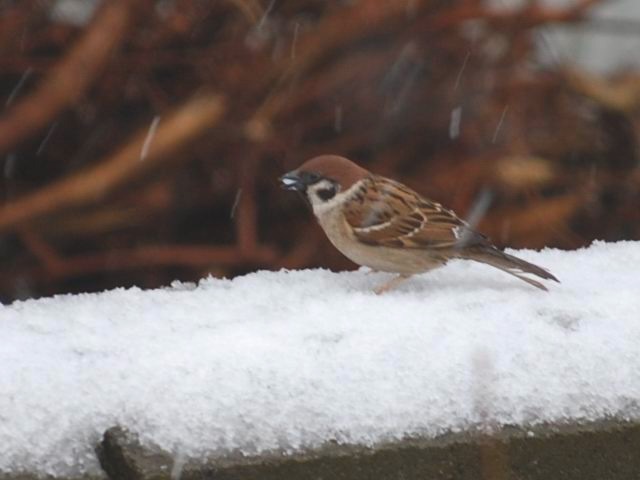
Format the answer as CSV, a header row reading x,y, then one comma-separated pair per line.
x,y
310,178
326,194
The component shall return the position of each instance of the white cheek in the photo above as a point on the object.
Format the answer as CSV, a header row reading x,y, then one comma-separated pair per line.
x,y
320,207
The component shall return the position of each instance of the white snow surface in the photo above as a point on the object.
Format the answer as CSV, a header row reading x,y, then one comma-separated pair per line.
x,y
292,359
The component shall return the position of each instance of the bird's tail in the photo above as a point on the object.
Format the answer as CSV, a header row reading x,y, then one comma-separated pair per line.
x,y
509,264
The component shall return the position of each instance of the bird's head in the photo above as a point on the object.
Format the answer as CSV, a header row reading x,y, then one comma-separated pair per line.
x,y
324,180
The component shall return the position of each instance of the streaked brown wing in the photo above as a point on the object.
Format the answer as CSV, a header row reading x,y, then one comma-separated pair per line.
x,y
386,213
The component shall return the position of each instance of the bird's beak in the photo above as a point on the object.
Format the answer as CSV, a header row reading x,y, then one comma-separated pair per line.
x,y
292,181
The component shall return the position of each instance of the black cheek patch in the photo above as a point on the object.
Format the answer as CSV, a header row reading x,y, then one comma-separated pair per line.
x,y
326,194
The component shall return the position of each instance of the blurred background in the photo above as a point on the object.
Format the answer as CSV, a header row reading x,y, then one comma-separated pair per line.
x,y
141,140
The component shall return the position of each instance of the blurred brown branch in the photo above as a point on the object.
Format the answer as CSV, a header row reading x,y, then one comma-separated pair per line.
x,y
622,94
68,81
199,257
186,124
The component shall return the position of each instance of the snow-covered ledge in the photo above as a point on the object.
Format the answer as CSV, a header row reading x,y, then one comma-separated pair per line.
x,y
287,361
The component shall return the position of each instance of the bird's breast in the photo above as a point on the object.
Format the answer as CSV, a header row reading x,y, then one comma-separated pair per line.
x,y
384,259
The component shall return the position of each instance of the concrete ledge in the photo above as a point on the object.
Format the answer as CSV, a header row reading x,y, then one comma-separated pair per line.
x,y
604,450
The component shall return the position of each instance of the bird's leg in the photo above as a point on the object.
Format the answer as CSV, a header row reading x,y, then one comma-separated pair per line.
x,y
394,282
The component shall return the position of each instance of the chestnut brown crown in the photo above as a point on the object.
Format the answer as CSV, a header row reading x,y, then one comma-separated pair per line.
x,y
336,168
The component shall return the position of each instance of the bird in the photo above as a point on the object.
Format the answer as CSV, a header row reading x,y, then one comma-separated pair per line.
x,y
382,224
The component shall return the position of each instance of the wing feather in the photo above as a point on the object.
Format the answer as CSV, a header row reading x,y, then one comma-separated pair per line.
x,y
386,213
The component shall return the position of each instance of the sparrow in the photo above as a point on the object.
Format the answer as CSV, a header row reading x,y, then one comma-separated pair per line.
x,y
384,225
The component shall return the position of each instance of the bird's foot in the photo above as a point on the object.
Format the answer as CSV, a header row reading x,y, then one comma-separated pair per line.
x,y
391,284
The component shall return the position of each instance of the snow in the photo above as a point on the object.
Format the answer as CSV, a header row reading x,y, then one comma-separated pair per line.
x,y
291,359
